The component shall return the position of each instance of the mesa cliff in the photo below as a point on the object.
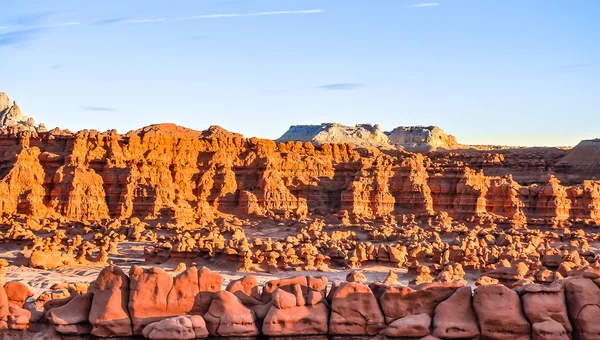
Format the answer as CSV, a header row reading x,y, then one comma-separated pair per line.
x,y
169,172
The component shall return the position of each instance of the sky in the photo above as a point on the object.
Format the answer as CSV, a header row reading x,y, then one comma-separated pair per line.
x,y
510,72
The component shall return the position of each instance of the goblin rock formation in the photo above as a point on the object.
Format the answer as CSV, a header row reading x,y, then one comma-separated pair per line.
x,y
297,306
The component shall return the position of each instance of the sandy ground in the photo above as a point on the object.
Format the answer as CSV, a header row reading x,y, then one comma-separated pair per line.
x,y
132,254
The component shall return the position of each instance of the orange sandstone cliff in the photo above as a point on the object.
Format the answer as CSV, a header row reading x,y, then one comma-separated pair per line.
x,y
167,172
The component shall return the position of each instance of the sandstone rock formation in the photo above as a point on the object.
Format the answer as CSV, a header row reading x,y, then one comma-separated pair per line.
x,y
12,117
333,133
165,172
297,307
422,138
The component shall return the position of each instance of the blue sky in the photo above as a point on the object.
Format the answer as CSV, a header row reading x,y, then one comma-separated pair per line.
x,y
514,72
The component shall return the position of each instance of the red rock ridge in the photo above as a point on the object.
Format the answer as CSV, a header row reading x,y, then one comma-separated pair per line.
x,y
170,172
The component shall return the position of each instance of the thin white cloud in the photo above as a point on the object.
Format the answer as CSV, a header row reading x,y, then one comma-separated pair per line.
x,y
73,23
258,14
427,4
145,21
227,15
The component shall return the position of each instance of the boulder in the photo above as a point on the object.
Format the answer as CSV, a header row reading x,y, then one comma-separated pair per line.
x,y
282,299
17,293
227,316
109,314
284,284
18,318
549,330
185,289
412,326
74,329
541,303
296,320
583,306
148,292
355,311
177,328
3,309
246,289
454,318
209,282
399,301
317,284
357,276
72,318
499,312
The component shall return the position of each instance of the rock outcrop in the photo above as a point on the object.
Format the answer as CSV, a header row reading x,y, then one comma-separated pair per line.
x,y
333,133
170,173
565,309
11,116
422,138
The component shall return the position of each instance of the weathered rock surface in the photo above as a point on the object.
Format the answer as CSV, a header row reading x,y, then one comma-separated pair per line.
x,y
454,317
583,305
109,313
332,133
542,303
355,311
72,318
227,316
412,326
177,328
398,302
500,314
11,116
422,138
192,176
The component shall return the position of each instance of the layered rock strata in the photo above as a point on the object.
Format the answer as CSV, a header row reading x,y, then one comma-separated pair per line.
x,y
167,172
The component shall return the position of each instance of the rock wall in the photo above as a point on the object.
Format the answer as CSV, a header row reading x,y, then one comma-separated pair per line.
x,y
154,304
170,172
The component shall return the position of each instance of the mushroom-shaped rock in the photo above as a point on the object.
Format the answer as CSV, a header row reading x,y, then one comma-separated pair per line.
x,y
454,318
109,314
177,328
355,311
412,326
499,312
227,316
398,301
